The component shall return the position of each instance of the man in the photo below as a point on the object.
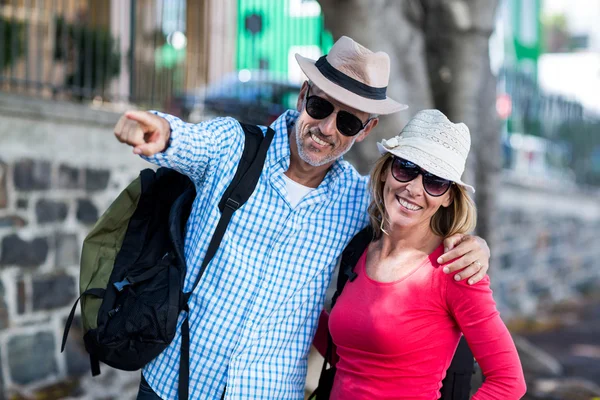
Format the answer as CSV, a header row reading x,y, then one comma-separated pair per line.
x,y
254,313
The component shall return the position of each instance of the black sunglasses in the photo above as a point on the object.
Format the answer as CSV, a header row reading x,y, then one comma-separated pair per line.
x,y
347,123
405,171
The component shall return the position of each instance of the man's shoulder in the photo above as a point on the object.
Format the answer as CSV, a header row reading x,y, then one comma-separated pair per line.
x,y
351,177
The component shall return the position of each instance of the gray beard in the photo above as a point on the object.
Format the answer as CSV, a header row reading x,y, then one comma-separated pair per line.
x,y
329,159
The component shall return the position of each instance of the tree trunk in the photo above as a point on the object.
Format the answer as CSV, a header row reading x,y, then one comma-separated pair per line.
x,y
383,25
457,36
439,56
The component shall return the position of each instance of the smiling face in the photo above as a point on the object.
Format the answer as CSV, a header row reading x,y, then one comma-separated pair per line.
x,y
318,141
408,205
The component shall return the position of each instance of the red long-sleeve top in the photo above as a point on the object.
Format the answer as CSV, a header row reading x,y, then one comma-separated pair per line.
x,y
395,340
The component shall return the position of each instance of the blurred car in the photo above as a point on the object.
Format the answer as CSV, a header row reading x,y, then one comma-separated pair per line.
x,y
255,97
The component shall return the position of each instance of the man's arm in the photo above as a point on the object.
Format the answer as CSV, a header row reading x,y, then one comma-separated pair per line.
x,y
471,256
167,141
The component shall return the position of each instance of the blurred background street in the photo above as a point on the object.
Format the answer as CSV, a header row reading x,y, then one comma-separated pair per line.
x,y
524,75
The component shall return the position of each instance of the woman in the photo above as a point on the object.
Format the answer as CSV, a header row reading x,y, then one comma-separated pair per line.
x,y
397,325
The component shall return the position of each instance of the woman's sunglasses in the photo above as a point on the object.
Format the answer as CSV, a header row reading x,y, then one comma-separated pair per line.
x,y
318,108
405,171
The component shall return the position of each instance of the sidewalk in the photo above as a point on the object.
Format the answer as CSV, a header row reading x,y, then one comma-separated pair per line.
x,y
576,345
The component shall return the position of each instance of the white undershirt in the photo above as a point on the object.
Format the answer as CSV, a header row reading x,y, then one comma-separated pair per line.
x,y
295,191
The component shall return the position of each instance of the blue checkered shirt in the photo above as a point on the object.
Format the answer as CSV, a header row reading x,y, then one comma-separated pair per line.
x,y
253,315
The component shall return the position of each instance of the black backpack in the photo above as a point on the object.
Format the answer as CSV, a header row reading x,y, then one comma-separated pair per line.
x,y
133,265
457,383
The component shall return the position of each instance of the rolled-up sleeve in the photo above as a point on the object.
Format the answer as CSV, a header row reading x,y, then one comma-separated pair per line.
x,y
193,147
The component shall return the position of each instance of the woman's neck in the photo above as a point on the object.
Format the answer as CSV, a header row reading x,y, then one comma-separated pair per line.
x,y
400,240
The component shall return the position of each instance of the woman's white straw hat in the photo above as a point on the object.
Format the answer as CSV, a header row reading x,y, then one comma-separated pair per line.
x,y
435,144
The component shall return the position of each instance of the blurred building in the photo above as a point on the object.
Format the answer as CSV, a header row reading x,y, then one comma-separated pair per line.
x,y
271,32
149,51
139,51
547,77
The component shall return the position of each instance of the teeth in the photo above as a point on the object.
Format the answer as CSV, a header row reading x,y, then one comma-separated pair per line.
x,y
406,204
319,141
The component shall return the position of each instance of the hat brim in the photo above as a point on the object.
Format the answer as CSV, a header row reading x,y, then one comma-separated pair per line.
x,y
344,96
406,153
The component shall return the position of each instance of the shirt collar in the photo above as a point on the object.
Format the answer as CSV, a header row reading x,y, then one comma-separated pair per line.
x,y
280,147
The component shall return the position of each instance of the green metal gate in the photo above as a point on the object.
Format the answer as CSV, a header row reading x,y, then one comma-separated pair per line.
x,y
270,32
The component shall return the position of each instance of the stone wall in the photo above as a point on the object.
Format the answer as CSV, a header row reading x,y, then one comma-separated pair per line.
x,y
60,167
544,252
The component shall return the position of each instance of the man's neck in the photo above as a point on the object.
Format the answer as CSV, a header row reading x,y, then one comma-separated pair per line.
x,y
302,172
306,174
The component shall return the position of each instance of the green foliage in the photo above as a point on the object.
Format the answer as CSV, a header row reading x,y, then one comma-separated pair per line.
x,y
555,21
11,40
555,31
94,53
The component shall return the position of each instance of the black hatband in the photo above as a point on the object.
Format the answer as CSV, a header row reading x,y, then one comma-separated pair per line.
x,y
348,82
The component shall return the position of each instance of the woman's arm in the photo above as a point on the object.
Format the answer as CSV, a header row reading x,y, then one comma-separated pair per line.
x,y
475,312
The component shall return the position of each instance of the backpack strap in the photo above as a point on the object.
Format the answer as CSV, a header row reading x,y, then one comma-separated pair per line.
x,y
239,191
91,292
457,383
350,257
94,363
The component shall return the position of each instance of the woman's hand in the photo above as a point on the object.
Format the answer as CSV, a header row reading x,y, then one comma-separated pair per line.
x,y
471,256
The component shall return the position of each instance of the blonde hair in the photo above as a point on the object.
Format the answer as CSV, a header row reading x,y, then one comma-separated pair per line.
x,y
459,217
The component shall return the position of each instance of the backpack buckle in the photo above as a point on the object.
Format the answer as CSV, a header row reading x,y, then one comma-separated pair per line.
x,y
112,312
231,203
349,272
167,259
122,284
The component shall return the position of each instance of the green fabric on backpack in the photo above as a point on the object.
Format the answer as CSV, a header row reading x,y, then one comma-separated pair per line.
x,y
101,247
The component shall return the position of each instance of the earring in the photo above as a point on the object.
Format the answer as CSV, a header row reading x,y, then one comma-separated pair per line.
x,y
381,227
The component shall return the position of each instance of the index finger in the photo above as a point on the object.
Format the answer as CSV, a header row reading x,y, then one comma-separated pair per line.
x,y
463,248
142,117
452,241
120,124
